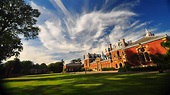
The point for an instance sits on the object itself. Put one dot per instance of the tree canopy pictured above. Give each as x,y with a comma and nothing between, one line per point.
166,44
16,18
56,67
13,67
16,67
27,66
76,61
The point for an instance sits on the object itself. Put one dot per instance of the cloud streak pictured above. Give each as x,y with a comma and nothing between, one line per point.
66,34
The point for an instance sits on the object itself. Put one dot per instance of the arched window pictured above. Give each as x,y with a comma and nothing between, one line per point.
147,56
143,55
116,66
120,65
123,53
118,54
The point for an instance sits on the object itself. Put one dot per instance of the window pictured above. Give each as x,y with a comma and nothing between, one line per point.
114,56
123,53
116,66
118,54
120,65
147,56
143,55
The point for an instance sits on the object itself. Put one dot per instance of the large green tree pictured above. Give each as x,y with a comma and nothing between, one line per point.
43,68
16,19
76,61
56,67
159,60
12,67
27,66
166,44
162,59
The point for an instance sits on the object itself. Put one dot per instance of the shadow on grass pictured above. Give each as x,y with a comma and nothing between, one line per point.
95,84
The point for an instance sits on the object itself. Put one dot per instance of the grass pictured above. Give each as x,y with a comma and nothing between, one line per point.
90,84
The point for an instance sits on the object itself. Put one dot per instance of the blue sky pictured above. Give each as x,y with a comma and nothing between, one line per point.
72,28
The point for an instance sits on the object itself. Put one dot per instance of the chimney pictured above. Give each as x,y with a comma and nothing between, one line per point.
89,55
123,43
111,47
84,57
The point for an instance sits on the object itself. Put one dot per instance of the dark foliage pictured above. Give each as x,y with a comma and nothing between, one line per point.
108,69
149,68
16,18
26,67
12,67
166,44
56,67
16,67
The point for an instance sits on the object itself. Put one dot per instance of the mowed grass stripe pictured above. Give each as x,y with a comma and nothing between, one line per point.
90,84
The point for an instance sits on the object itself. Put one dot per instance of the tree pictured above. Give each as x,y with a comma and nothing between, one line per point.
16,18
76,61
51,67
13,67
56,67
2,69
162,59
43,68
159,60
166,44
27,66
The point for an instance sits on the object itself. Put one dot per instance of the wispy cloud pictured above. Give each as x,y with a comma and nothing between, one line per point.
38,54
67,35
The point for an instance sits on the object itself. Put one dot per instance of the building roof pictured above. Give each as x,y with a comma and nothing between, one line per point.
94,55
148,37
145,40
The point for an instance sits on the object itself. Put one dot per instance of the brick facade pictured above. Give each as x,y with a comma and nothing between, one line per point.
133,53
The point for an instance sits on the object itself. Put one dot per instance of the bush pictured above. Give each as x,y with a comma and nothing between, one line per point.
82,69
89,70
126,67
167,66
2,69
108,69
149,68
122,69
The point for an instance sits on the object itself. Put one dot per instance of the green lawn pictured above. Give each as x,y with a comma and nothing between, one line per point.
90,84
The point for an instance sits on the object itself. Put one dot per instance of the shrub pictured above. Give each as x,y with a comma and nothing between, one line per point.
149,68
108,69
167,66
89,70
122,69
82,69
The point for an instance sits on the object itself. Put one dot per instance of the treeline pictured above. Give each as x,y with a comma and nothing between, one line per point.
16,67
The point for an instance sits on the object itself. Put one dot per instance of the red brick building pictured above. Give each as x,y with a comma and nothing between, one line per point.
74,65
133,53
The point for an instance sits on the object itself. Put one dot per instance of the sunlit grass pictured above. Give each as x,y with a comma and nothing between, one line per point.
115,78
87,85
90,84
